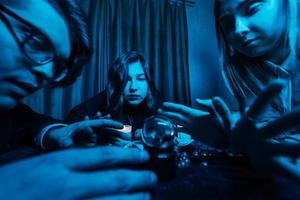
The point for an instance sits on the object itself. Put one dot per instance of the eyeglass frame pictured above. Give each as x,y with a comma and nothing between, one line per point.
22,44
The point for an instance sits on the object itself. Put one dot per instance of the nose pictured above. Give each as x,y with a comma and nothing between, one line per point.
241,27
44,71
133,87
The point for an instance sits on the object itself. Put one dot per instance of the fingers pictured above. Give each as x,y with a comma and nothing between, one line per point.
182,109
134,196
99,115
101,157
264,99
112,133
281,124
180,113
108,116
206,104
285,167
66,142
177,117
138,134
91,143
98,123
90,138
84,136
223,111
112,182
282,149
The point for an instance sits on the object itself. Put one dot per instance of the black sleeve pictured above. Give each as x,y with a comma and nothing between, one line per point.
21,126
88,108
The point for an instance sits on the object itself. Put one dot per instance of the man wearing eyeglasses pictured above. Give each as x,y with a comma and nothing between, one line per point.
45,43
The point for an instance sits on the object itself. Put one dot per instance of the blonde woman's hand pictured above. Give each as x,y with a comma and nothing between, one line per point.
247,136
203,124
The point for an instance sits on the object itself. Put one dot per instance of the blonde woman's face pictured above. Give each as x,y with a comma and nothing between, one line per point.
252,27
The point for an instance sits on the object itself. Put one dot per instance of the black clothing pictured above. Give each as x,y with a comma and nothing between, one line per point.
133,116
18,127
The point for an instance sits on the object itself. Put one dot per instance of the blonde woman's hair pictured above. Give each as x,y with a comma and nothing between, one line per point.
245,76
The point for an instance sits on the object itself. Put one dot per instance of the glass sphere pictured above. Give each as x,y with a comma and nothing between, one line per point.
159,132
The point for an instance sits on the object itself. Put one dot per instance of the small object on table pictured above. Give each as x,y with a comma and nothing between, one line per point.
158,136
183,160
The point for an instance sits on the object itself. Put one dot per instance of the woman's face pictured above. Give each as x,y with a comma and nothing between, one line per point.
136,88
253,27
19,76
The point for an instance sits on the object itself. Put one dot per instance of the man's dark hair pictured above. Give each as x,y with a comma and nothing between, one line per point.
80,37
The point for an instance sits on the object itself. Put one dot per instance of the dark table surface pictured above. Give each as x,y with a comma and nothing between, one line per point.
209,175
220,176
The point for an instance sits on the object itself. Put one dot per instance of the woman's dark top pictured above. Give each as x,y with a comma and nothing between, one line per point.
129,115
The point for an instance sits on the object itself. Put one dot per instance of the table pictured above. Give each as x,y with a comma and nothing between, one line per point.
224,177
210,178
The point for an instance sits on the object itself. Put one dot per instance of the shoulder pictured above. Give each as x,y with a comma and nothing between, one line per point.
24,114
89,107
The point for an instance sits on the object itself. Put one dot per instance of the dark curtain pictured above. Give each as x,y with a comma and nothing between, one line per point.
153,27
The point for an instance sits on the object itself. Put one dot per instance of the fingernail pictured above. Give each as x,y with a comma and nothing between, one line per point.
98,114
144,155
146,196
153,177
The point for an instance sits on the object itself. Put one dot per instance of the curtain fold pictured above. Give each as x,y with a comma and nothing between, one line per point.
155,28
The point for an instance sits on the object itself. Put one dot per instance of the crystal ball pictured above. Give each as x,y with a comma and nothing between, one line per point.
159,132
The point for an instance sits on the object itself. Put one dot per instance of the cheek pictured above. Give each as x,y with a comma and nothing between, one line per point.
267,24
11,56
126,90
8,63
273,35
144,89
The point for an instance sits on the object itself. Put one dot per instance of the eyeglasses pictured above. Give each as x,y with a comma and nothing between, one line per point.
36,47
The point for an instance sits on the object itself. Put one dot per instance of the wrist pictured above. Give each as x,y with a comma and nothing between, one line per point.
45,139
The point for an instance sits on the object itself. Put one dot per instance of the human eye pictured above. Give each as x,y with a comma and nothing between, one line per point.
141,78
253,8
36,43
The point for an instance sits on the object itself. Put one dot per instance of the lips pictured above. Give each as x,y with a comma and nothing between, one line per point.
133,97
249,42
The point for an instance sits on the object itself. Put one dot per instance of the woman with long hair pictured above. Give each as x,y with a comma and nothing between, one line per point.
258,41
130,95
258,44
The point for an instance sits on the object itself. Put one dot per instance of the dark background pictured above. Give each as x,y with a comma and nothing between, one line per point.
179,42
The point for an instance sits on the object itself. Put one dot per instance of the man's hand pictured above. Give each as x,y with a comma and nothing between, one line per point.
78,174
80,133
